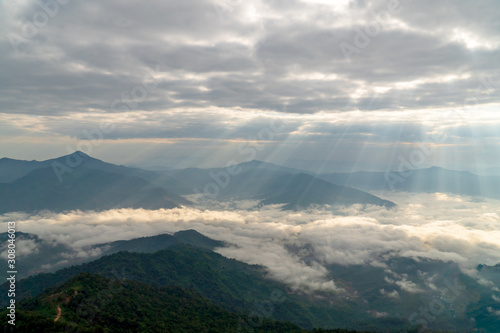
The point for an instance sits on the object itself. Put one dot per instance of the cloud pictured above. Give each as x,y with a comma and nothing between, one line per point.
200,70
408,286
391,294
377,314
493,311
90,53
24,247
421,227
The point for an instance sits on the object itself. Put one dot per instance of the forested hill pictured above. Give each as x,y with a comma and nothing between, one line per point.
92,303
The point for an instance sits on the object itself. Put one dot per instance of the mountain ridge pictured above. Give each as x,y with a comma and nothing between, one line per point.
87,183
84,189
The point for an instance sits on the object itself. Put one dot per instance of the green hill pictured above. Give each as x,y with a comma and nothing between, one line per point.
92,303
232,285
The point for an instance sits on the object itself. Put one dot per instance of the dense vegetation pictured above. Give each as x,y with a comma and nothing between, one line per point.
230,284
92,303
52,256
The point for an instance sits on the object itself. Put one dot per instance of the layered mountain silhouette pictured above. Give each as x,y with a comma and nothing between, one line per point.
242,181
194,282
83,189
271,184
302,190
429,180
11,169
229,284
178,277
78,181
48,256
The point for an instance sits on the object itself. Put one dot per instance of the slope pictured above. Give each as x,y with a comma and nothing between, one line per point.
92,303
85,189
233,285
302,190
429,180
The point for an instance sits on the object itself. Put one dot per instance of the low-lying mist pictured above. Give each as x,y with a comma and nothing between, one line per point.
296,246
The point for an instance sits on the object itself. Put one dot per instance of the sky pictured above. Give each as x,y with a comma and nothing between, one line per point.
328,85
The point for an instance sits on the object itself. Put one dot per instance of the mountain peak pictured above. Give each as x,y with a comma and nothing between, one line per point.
267,165
82,154
78,155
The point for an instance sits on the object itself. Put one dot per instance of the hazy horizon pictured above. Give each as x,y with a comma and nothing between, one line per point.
307,166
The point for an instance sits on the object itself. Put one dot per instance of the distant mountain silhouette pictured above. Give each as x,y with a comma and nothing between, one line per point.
429,180
302,190
271,184
11,169
78,181
245,181
83,188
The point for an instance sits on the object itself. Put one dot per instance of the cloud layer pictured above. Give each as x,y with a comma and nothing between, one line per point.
433,226
254,54
172,76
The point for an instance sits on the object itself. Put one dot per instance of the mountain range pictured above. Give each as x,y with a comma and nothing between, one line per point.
137,284
180,276
50,256
78,181
228,284
429,180
92,303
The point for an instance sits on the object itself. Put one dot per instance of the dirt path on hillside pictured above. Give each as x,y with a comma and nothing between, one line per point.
59,311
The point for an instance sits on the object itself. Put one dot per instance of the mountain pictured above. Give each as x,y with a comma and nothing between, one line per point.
194,238
230,284
38,254
239,181
216,277
85,189
155,243
376,298
429,180
270,184
11,169
249,180
78,181
302,190
46,256
92,303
